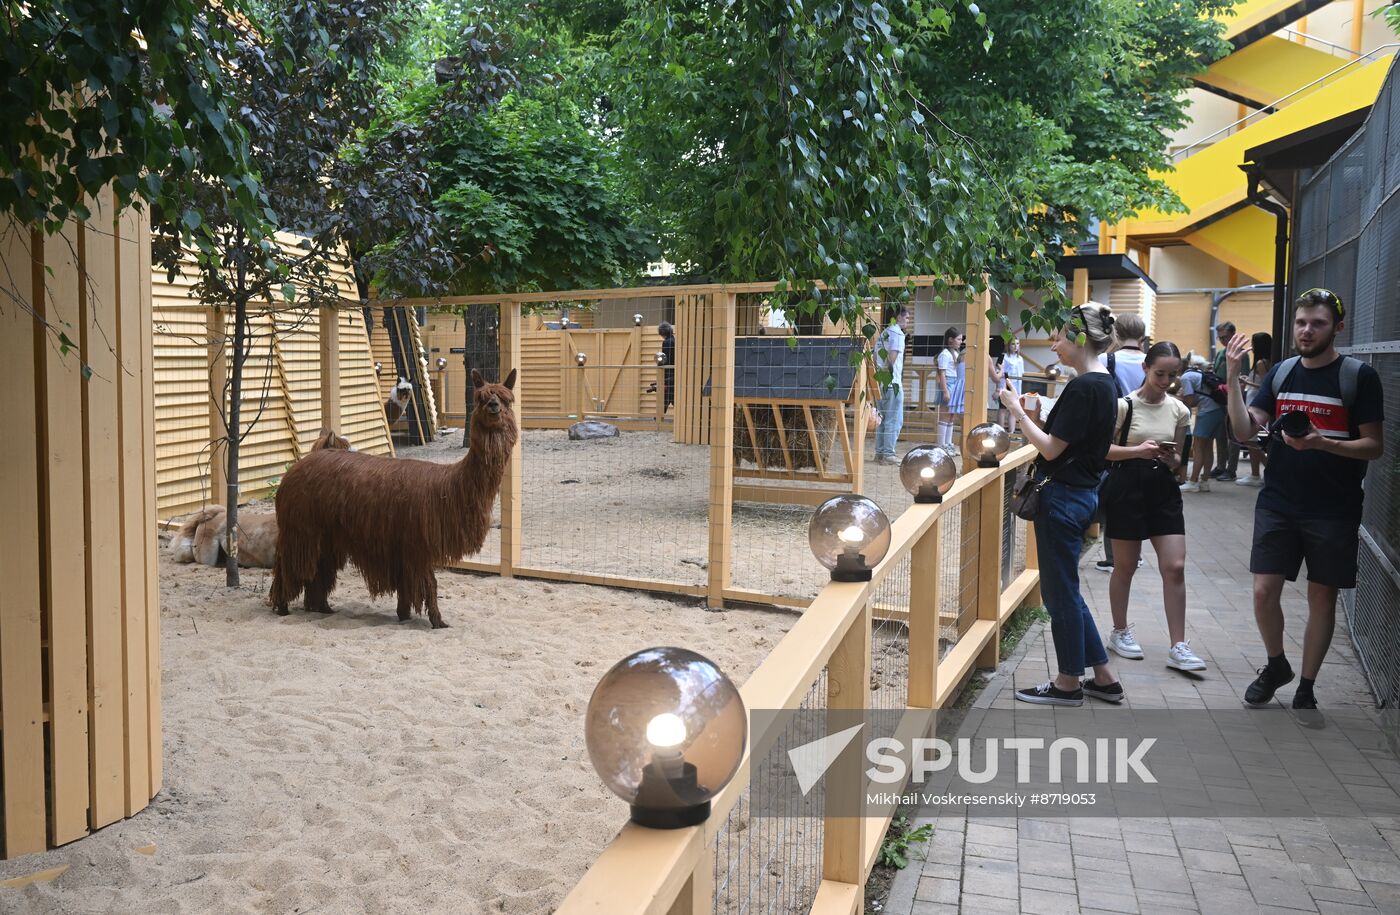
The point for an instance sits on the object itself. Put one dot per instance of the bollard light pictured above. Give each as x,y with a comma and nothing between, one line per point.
441,363
378,368
564,322
666,730
637,320
660,357
1053,371
988,443
849,535
581,358
928,472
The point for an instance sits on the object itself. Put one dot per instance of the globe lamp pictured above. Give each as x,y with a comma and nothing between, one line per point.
928,472
988,443
849,535
666,730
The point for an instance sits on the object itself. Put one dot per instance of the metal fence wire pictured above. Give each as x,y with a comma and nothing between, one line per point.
1347,238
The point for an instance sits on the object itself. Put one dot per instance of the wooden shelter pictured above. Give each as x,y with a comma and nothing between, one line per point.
791,403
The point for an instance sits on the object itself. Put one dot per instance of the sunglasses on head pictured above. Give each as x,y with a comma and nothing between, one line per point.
1324,297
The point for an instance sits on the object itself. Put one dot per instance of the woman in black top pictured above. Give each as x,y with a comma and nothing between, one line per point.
1073,448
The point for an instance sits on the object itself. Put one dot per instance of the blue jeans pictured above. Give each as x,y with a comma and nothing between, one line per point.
891,419
1065,514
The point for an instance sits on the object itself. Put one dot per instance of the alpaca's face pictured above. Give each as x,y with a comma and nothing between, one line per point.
494,399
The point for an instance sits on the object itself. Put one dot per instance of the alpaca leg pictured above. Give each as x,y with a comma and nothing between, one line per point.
318,591
434,615
405,608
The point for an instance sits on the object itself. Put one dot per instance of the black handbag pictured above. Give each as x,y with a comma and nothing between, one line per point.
1025,497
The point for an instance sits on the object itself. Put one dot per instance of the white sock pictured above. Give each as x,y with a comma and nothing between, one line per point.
945,433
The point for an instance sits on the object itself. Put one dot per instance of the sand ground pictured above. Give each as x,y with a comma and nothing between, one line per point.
350,763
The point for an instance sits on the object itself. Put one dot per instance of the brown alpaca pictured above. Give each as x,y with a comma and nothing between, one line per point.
395,519
202,536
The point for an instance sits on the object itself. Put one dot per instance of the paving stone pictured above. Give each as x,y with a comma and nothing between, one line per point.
1043,882
1227,902
935,889
992,904
1095,847
1003,852
1175,899
1333,894
1156,872
1204,882
1375,871
1342,878
1277,888
932,908
991,835
1108,901
1218,861
1341,908
1042,902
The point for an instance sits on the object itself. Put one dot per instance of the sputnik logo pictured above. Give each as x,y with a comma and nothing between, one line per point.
811,760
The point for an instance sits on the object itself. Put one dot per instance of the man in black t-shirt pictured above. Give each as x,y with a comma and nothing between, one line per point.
1310,506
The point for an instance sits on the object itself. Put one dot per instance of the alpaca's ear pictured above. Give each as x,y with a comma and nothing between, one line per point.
477,380
510,380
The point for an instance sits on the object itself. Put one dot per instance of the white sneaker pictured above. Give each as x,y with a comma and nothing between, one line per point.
1183,658
1249,479
1205,485
1124,644
1192,487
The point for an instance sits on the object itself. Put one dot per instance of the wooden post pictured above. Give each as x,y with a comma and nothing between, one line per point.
218,431
861,399
989,567
1105,240
1120,237
722,318
21,662
977,360
511,499
1032,562
925,597
697,897
330,368
847,689
1080,294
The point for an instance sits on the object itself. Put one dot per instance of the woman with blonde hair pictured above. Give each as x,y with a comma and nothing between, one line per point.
1073,448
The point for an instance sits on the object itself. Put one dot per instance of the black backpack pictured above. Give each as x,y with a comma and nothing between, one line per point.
1214,387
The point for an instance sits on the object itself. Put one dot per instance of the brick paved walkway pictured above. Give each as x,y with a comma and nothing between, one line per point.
1189,864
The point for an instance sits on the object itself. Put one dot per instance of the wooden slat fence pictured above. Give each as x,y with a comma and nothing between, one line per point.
80,735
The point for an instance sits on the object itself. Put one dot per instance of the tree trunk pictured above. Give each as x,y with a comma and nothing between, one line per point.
481,351
240,337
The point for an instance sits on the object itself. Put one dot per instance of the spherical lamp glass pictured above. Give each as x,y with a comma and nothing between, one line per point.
849,535
928,472
666,730
637,320
581,358
660,357
988,443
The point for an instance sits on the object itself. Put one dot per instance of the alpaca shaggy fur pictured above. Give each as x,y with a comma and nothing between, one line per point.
203,536
395,519
397,401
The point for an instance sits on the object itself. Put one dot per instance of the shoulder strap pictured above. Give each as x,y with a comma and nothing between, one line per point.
1349,373
1127,423
1285,368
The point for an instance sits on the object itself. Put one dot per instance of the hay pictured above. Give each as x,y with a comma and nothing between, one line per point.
799,441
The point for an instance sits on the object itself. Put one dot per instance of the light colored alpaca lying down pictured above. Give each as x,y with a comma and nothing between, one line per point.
202,536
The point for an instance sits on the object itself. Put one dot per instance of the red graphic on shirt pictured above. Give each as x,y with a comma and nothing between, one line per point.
1328,414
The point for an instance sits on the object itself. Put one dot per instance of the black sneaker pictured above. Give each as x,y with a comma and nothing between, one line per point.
1262,690
1113,692
1302,700
1103,565
1048,694
1226,477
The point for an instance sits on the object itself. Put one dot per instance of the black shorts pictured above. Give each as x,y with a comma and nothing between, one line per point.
1141,500
1282,542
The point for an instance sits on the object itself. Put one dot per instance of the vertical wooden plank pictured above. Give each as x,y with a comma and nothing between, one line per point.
722,317
125,295
1080,293
148,418
862,398
989,567
330,368
925,596
848,690
218,400
106,733
697,896
977,359
64,550
511,486
21,665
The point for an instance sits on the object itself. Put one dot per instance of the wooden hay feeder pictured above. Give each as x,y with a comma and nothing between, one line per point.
790,418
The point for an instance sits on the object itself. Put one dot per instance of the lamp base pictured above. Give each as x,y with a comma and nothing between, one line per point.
932,498
670,817
851,574
988,462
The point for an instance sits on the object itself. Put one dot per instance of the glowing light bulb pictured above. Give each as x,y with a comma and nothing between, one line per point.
666,730
852,534
926,473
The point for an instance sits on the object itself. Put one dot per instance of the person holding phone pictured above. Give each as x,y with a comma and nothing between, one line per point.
1142,502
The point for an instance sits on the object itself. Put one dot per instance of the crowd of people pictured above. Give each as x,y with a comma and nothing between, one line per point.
1118,445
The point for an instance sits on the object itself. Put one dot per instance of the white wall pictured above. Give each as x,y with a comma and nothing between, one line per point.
1184,267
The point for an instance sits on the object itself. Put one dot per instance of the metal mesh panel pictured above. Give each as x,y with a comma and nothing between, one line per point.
1374,615
1344,211
773,864
889,640
1348,239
